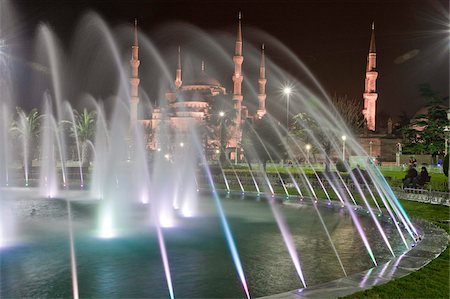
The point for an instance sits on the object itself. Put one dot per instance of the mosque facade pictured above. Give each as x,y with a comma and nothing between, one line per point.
192,101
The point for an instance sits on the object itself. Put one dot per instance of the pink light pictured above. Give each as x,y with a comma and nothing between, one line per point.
165,260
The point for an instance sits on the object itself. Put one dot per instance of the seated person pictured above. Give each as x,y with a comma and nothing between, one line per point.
423,177
411,177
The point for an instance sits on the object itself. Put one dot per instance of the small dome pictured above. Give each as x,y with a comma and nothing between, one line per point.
203,79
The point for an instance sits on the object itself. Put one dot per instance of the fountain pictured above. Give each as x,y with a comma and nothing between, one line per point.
138,218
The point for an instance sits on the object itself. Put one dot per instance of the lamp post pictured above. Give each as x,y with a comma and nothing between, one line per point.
343,146
287,92
446,130
370,148
221,147
308,148
398,154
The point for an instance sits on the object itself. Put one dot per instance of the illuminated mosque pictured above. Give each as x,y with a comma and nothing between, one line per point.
191,100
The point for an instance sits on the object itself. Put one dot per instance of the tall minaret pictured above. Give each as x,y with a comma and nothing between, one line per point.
178,81
370,94
237,76
262,85
134,80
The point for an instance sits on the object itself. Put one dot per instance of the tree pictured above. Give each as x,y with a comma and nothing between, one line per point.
27,128
83,129
425,133
262,141
309,131
350,111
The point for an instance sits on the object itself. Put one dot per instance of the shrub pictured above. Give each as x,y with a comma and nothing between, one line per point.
340,166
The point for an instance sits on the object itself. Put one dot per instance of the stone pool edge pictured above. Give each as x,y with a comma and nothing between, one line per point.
435,241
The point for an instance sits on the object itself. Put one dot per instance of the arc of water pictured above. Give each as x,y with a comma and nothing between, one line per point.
60,145
355,219
165,259
235,173
294,181
324,226
75,132
288,240
73,262
228,235
370,190
374,218
383,199
224,176
284,229
5,143
347,189
401,213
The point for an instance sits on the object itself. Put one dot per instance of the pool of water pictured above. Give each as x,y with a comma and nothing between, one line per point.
201,266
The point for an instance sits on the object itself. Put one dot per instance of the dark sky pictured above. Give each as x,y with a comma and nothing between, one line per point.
330,37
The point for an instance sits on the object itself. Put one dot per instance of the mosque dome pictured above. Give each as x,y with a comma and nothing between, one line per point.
203,79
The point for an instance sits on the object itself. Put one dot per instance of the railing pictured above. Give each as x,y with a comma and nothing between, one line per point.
423,195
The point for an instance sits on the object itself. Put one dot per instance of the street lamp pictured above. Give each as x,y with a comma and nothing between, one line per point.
370,148
446,130
308,148
287,92
398,154
343,146
221,150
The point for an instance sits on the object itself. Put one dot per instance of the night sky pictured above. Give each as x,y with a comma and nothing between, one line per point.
330,37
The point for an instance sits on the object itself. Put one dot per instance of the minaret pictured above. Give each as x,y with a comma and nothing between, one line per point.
262,85
370,94
237,76
134,80
178,81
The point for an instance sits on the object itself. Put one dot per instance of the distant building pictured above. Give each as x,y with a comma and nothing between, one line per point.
191,101
370,94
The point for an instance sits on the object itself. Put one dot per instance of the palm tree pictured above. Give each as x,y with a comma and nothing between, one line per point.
83,130
27,128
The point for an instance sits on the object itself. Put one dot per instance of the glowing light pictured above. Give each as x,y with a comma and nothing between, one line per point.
308,147
344,137
106,227
144,198
181,144
166,221
187,213
159,149
287,90
167,156
221,114
217,151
